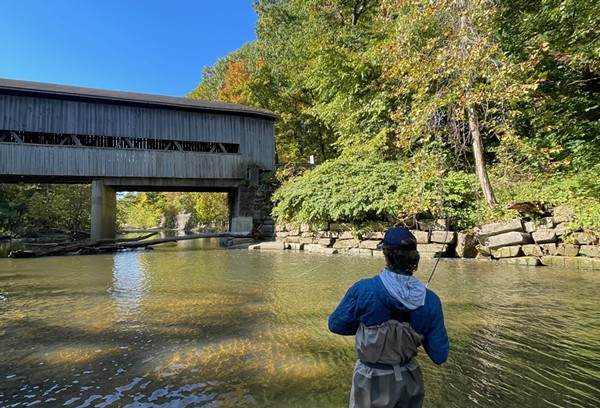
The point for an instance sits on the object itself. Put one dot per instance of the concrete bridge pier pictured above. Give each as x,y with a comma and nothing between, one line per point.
250,209
241,202
104,211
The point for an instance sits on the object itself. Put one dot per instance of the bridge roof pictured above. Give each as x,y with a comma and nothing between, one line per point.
44,90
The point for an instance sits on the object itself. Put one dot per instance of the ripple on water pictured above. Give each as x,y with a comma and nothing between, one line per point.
138,392
526,351
236,328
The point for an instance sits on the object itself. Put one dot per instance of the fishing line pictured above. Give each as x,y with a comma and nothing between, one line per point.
437,261
439,255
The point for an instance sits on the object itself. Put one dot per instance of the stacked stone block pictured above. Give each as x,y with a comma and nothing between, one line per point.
435,240
512,242
538,243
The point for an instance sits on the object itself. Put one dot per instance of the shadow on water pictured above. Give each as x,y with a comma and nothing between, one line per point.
124,363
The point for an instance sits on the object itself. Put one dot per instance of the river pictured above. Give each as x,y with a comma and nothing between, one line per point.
195,325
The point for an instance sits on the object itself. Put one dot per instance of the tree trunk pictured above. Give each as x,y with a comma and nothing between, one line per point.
112,245
482,175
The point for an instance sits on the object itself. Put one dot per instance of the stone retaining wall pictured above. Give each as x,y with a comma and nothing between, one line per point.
337,238
548,241
545,242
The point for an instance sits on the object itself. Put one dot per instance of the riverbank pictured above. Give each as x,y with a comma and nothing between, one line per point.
545,242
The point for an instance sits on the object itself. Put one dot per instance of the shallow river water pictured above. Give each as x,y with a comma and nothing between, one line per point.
189,326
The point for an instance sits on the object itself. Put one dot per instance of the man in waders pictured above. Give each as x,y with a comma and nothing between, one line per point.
391,315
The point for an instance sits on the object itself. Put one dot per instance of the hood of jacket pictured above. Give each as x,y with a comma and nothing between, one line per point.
406,289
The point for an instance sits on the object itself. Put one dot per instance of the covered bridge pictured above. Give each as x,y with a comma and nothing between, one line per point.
122,141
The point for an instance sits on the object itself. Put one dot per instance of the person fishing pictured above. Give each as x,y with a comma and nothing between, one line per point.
391,315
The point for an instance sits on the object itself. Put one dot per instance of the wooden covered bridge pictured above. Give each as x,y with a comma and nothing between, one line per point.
121,141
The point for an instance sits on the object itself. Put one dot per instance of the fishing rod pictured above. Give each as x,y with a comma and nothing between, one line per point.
437,261
441,189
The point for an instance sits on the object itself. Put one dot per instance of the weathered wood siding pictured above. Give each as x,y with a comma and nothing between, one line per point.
254,135
74,161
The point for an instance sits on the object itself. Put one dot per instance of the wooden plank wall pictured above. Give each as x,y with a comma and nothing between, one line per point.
255,135
75,161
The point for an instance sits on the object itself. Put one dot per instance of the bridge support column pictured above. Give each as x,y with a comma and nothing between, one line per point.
250,210
240,209
104,211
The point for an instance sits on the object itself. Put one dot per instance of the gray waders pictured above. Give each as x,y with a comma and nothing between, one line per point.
386,374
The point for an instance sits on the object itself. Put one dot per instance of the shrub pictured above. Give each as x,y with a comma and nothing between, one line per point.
346,190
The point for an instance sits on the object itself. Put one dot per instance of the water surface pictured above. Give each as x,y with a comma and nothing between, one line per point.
207,327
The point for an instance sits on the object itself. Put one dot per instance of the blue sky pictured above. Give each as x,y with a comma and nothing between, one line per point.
148,46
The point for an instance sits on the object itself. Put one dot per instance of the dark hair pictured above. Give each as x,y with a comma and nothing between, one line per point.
400,260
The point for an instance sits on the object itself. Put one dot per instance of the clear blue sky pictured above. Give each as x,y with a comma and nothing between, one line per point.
148,46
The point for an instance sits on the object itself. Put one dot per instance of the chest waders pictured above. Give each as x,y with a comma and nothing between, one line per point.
386,375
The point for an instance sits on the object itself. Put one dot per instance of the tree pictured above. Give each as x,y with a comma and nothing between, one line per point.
230,79
317,66
559,40
13,206
44,206
455,85
138,210
211,210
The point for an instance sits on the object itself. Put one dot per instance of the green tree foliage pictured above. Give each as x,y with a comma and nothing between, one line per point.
371,189
360,190
44,206
60,205
208,211
560,40
316,62
457,87
26,207
444,63
13,206
138,211
211,210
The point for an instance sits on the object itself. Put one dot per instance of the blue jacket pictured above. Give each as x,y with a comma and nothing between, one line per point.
369,302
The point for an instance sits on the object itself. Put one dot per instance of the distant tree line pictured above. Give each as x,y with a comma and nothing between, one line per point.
26,209
206,211
29,209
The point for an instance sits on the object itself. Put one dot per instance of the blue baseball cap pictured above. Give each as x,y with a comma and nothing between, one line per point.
393,239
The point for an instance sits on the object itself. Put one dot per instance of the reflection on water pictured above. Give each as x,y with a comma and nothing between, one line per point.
128,283
206,327
5,248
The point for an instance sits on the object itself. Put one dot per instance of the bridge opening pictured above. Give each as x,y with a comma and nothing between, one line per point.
28,208
187,211
116,142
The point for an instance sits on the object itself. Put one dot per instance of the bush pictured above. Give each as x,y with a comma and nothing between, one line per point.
340,190
579,191
360,190
460,199
344,190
